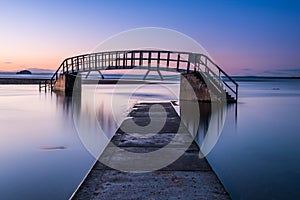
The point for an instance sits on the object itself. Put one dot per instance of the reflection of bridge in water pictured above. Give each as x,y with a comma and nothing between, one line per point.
207,79
205,126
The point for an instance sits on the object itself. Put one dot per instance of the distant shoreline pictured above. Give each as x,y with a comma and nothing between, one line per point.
28,80
21,81
267,77
261,78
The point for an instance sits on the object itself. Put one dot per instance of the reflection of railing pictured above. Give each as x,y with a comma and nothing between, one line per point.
150,60
205,124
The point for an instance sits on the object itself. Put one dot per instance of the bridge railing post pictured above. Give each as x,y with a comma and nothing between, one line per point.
141,59
72,64
108,59
236,92
188,62
124,59
178,61
67,67
132,59
89,62
168,60
83,64
63,68
78,64
149,60
219,77
158,59
117,55
102,60
96,61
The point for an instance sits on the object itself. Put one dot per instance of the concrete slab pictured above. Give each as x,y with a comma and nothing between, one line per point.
188,177
112,184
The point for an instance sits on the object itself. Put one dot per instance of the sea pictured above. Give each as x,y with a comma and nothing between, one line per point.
49,141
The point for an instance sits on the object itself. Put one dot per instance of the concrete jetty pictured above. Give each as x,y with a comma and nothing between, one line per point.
189,177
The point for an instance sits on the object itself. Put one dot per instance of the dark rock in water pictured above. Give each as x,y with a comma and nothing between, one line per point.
275,88
24,72
53,148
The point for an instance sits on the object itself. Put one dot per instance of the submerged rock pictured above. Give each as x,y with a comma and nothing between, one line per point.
53,148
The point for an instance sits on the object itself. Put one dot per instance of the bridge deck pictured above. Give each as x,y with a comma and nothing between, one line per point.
189,177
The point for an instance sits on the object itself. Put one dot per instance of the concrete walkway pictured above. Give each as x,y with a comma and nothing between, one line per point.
189,177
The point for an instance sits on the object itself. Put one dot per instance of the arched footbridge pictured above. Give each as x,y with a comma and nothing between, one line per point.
197,68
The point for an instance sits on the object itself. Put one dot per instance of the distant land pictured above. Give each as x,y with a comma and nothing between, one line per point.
38,71
38,75
262,78
24,72
32,70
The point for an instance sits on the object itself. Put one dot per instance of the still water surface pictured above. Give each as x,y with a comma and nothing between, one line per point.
42,156
256,157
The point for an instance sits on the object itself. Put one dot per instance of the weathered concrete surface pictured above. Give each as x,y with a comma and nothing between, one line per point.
67,83
192,88
189,177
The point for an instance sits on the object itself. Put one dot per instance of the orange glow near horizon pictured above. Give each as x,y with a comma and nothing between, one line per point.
16,65
47,60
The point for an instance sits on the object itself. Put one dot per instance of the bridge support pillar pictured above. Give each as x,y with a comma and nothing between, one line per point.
67,83
193,89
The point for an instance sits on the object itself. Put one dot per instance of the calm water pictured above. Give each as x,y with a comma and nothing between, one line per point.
43,156
258,157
